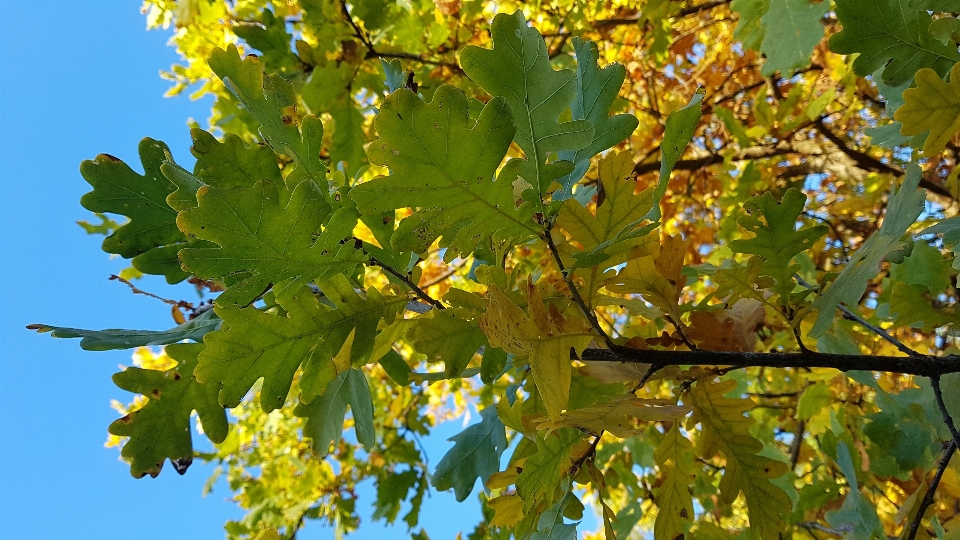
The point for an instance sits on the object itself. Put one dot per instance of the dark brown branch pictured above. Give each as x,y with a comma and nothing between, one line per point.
406,281
633,19
926,366
577,299
372,52
757,152
928,497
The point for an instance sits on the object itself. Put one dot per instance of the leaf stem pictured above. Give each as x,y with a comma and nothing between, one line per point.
409,283
577,299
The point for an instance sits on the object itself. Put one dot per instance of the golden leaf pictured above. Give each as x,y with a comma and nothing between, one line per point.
933,106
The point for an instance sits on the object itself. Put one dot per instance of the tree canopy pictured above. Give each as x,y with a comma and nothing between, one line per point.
690,265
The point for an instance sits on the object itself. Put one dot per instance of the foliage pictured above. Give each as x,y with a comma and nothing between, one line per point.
655,245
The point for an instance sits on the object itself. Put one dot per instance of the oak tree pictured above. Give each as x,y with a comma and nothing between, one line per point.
691,262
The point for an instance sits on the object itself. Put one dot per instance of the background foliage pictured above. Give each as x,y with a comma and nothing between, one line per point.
339,297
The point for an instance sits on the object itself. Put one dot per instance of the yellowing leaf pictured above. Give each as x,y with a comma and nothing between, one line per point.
619,213
616,416
508,510
658,280
675,457
546,337
543,470
725,430
934,106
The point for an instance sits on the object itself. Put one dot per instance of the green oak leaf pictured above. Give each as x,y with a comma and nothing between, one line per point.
442,164
113,339
272,101
449,335
268,34
142,198
161,429
596,90
393,74
857,512
906,204
679,129
257,344
950,229
232,163
541,473
392,489
518,69
798,31
750,28
925,267
776,238
325,415
273,245
550,525
890,35
329,90
475,454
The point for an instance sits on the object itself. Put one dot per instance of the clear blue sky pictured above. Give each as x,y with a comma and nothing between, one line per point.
79,78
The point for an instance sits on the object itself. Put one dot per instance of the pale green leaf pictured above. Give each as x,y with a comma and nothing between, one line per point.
543,470
904,207
112,339
677,133
273,103
325,415
475,454
274,246
776,238
796,30
596,90
257,344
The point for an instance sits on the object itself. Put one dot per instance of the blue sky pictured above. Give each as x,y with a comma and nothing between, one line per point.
80,78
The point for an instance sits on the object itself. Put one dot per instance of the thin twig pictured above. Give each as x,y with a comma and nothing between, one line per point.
947,419
577,299
406,281
853,316
928,498
575,468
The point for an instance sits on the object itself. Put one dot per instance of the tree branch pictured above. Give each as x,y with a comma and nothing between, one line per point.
926,366
406,281
577,299
928,497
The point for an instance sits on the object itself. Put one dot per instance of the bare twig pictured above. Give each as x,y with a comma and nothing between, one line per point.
577,299
409,283
853,316
928,497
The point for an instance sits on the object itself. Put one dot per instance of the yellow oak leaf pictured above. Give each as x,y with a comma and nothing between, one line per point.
725,429
674,456
658,279
545,337
617,416
508,510
933,106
